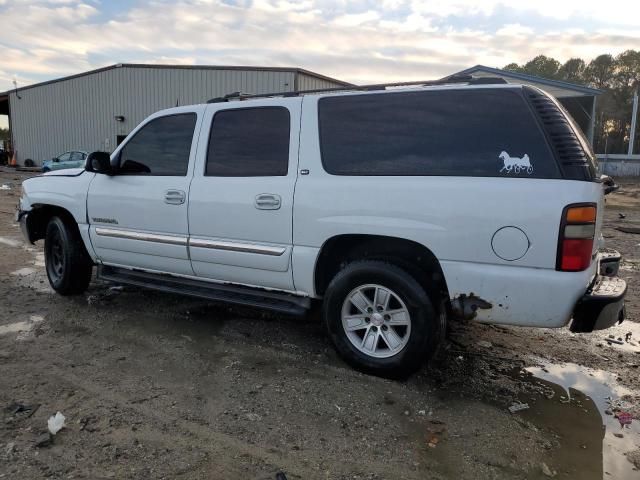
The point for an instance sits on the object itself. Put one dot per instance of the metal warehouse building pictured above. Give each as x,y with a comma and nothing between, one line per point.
97,109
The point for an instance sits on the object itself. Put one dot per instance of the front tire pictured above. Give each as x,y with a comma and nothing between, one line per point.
380,319
66,260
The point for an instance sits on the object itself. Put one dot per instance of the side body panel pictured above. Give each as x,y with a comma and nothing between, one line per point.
232,239
133,224
454,217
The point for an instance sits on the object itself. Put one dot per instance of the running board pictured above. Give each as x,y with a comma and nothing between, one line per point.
223,292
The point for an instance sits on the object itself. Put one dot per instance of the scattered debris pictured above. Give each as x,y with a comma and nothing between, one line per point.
619,435
281,476
254,417
635,230
624,418
621,215
56,423
484,344
10,448
613,340
627,337
547,471
22,409
435,432
44,440
5,187
517,407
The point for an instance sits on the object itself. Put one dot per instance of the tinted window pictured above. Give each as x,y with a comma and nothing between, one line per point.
456,132
161,147
77,156
64,157
249,142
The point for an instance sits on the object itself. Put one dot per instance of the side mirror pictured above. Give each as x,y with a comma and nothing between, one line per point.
609,184
99,162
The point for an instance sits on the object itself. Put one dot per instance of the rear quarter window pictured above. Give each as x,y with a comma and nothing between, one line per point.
482,132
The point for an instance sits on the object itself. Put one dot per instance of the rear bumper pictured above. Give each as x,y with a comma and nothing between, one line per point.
602,305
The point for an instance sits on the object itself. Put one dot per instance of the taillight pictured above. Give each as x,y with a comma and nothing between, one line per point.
577,231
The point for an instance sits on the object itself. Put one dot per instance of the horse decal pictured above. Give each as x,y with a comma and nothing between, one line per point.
515,164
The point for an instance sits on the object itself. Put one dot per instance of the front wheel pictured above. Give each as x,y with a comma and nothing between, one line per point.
380,319
66,260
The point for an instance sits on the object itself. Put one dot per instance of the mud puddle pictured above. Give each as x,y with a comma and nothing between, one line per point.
579,406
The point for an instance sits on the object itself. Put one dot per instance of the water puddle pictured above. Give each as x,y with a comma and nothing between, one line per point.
10,242
579,404
23,272
624,337
23,329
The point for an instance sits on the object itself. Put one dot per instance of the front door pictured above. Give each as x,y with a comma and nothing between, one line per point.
241,198
138,216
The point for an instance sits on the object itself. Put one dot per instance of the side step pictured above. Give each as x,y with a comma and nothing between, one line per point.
252,297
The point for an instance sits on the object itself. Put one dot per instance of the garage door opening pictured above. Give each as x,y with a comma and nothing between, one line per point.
5,133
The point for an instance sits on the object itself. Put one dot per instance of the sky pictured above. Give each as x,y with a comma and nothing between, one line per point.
360,41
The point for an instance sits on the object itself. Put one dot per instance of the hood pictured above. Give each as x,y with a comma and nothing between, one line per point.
67,172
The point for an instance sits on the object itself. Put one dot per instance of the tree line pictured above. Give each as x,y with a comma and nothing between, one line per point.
618,77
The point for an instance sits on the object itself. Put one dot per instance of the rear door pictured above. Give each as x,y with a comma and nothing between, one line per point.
241,197
138,216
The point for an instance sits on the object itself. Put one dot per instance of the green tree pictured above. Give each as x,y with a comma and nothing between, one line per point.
572,70
513,67
600,71
4,134
542,66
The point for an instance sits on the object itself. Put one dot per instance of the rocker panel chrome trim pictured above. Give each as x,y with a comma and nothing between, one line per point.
237,247
146,237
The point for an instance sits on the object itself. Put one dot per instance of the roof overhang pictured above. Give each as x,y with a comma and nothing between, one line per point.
4,104
557,88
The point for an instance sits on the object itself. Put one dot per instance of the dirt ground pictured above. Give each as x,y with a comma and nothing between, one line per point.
160,386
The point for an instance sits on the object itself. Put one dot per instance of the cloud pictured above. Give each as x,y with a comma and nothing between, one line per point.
359,41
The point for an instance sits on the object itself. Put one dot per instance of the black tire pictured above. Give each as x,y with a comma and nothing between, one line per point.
424,320
46,169
66,260
29,163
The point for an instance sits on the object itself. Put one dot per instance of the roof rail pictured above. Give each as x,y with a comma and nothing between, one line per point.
364,88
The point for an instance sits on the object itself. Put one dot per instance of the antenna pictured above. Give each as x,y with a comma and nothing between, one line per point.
15,84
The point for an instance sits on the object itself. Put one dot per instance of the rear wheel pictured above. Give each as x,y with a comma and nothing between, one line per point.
67,263
380,319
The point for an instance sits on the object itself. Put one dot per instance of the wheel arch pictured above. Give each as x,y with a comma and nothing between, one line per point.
416,258
39,217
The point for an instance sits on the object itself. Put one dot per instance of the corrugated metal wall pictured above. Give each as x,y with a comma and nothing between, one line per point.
79,113
309,82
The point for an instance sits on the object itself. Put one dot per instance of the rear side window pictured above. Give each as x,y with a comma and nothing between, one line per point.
249,142
161,147
486,133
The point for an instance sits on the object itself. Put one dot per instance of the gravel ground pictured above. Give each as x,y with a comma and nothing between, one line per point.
160,386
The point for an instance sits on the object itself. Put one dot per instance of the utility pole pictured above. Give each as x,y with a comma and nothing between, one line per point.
634,117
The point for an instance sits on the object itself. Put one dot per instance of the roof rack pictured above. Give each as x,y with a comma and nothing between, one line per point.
468,79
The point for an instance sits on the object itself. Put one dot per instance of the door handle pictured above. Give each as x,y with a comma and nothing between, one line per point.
268,201
174,197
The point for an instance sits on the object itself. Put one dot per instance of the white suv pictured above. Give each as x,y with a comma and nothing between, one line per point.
397,208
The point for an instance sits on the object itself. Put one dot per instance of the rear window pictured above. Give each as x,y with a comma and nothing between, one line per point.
486,133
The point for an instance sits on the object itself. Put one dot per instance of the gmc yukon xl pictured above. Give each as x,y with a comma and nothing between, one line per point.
396,208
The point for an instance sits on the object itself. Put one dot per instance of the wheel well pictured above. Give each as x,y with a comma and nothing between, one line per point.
40,216
415,258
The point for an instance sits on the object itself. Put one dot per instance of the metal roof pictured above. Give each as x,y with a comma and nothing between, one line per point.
570,89
182,67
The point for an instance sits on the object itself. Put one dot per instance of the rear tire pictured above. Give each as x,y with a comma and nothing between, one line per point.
379,318
66,260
